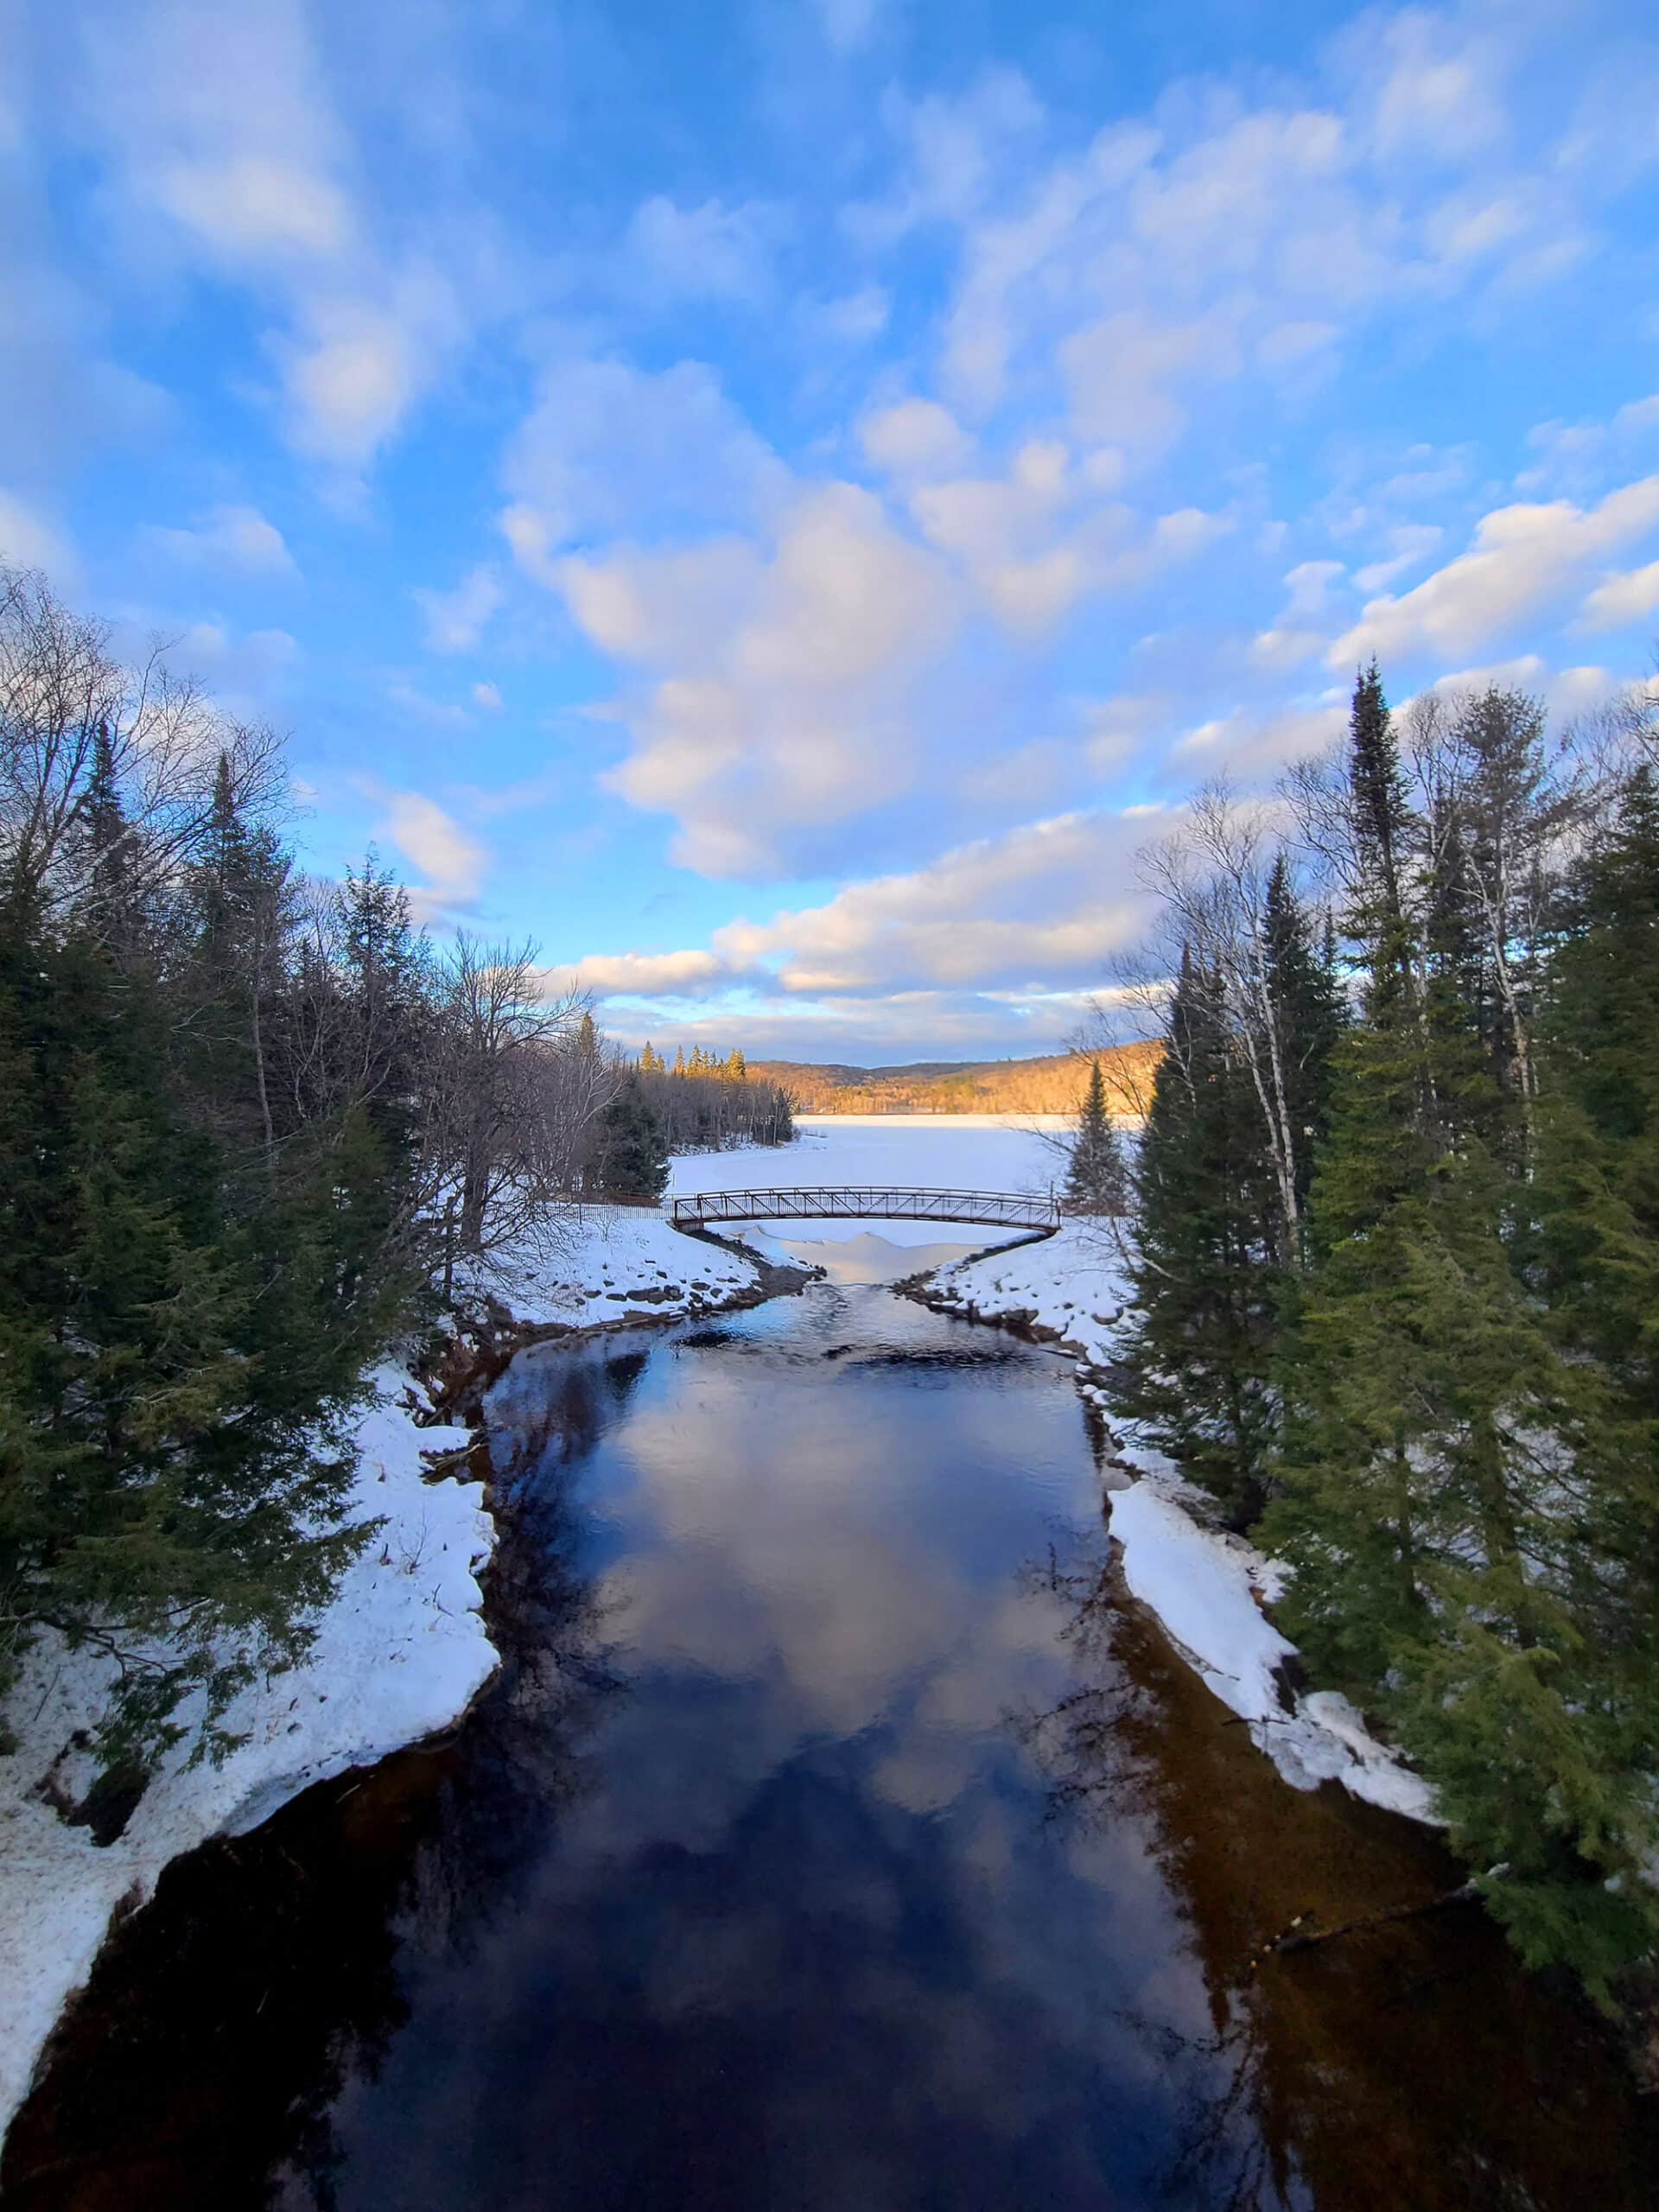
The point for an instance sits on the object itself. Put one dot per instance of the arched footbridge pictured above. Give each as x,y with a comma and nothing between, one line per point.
862,1202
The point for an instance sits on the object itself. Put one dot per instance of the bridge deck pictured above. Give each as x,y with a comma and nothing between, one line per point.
865,1201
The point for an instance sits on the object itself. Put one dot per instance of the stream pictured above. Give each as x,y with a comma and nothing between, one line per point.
835,1835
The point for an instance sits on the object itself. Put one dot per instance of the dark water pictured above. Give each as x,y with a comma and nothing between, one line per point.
833,1838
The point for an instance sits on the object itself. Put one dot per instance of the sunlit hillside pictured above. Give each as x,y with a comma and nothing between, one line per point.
1053,1083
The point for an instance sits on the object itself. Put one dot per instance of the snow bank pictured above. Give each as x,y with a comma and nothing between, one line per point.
1206,1588
614,1263
400,1652
1072,1283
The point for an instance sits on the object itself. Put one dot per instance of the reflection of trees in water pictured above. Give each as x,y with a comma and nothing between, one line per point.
222,2027
1414,2065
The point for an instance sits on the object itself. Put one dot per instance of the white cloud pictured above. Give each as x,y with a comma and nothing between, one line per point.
788,700
609,448
708,252
647,973
851,319
1043,904
451,863
1035,541
455,620
847,24
1428,86
253,207
234,539
1248,744
226,150
437,714
1408,543
914,437
995,946
1631,597
247,673
1290,640
28,540
1525,558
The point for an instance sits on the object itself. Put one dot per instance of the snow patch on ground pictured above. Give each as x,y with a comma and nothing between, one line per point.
1071,1282
1206,1588
613,1263
400,1652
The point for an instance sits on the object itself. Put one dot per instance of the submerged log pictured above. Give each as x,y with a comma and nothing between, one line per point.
1297,1937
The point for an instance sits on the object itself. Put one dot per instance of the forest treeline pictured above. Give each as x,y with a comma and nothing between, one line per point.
1396,1262
251,1125
1050,1083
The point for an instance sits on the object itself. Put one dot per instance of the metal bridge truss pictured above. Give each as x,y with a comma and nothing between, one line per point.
989,1209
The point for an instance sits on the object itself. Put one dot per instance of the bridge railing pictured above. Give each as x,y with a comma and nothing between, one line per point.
842,1202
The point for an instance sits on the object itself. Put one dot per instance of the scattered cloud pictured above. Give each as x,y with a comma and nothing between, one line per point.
450,864
673,254
229,540
648,974
28,540
610,449
789,700
848,24
456,619
1523,562
1630,598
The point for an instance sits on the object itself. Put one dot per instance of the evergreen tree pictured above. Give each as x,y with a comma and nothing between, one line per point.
1096,1180
166,1490
1304,998
634,1160
1381,827
1192,1373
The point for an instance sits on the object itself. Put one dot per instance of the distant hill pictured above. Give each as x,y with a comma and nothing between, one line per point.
1051,1085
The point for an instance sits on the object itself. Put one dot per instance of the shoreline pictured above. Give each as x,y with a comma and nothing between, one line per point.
1207,1589
402,1652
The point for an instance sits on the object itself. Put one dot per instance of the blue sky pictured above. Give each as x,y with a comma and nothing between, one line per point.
777,502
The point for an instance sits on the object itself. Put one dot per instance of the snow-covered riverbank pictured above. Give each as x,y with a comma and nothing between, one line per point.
399,1654
1207,1588
402,1650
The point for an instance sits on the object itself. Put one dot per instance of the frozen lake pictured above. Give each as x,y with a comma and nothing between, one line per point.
965,1152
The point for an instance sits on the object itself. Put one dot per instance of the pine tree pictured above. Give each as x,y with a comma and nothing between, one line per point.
1381,826
1304,998
166,1484
1096,1180
633,1162
1192,1374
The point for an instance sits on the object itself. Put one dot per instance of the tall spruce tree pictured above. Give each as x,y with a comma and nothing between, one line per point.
1305,1007
1096,1176
1192,1370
